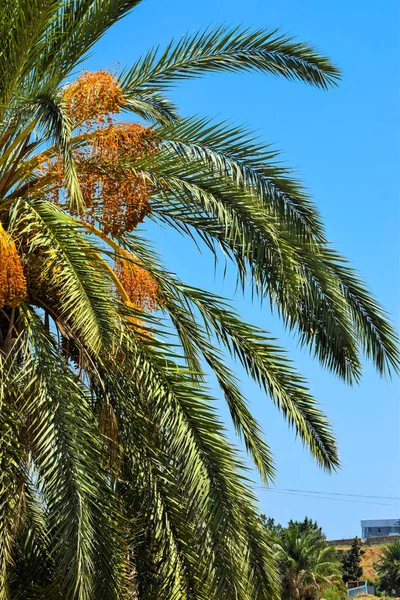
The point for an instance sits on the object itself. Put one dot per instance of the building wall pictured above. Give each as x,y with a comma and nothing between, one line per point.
371,541
380,527
379,531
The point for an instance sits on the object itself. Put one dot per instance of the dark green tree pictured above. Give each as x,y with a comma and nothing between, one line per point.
275,529
307,525
351,562
388,569
307,564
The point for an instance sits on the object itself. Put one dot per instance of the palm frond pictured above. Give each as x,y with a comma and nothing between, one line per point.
261,356
230,49
11,459
22,27
269,366
267,255
373,327
55,122
33,566
72,30
166,553
206,462
151,106
236,153
66,453
72,268
196,343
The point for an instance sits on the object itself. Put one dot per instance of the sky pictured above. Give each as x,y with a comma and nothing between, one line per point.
344,146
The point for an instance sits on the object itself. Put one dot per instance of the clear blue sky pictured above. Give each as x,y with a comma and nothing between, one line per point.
344,145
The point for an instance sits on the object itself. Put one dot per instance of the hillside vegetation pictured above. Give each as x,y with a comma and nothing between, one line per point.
371,554
370,597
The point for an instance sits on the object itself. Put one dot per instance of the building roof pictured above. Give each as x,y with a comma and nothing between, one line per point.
381,523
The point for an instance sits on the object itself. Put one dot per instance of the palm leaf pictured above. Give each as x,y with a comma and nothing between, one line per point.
66,453
206,463
11,458
72,267
229,49
259,354
234,152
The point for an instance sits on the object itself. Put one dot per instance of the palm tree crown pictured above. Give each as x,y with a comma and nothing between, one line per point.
117,479
388,568
307,564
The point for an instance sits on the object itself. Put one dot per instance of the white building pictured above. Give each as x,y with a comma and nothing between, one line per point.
379,527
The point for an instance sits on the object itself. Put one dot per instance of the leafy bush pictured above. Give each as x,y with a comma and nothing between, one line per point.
388,569
335,592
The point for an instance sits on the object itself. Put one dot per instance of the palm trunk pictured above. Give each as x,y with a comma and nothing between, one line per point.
10,327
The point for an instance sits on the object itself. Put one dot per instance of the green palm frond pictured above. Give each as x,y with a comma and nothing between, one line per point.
373,327
205,461
257,351
72,266
301,278
230,49
11,456
236,153
53,118
71,31
32,561
151,106
305,293
165,550
267,363
195,343
22,27
66,454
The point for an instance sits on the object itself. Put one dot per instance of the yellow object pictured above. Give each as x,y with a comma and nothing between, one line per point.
12,279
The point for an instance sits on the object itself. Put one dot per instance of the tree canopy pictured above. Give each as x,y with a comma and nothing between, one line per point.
388,569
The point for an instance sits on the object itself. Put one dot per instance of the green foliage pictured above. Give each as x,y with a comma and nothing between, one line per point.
117,479
306,526
388,569
275,529
335,592
351,561
307,564
309,568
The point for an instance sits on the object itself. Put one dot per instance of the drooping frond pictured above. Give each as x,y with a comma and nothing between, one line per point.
233,152
152,106
66,452
53,118
11,458
257,351
293,277
66,272
297,276
373,328
204,462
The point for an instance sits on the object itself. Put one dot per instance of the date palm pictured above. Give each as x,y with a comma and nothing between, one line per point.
388,569
117,479
307,564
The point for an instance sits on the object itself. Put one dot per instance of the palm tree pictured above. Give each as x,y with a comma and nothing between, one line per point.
307,564
388,569
117,479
